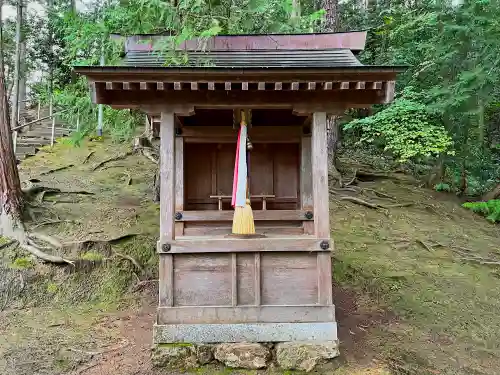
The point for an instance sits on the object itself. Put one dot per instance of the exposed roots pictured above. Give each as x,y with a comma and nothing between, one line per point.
131,259
8,244
56,170
360,201
114,158
36,251
88,157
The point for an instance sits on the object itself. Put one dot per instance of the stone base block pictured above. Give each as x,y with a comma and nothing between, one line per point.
303,356
244,332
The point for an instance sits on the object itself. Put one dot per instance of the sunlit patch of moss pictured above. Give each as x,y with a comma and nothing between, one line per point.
52,288
22,263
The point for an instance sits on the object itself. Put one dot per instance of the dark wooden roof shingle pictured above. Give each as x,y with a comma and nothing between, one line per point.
293,58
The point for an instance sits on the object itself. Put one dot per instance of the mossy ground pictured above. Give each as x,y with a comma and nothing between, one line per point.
402,308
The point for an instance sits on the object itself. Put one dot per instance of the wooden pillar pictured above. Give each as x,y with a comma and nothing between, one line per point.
321,204
179,182
167,176
306,194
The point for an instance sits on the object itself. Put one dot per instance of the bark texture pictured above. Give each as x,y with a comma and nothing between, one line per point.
11,197
331,24
17,65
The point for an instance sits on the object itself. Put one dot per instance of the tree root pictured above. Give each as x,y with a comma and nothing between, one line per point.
45,238
8,244
131,259
37,193
50,222
34,250
350,182
88,157
380,194
141,284
150,154
360,201
56,170
114,158
428,247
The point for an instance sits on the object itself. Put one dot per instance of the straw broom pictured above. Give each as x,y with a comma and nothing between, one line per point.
243,223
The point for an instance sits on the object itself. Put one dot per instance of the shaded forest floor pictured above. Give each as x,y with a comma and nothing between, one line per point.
411,294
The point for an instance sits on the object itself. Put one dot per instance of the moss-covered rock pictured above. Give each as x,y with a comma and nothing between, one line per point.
305,356
174,356
243,355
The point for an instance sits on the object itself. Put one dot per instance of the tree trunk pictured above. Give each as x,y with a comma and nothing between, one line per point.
333,125
17,63
2,70
493,194
296,12
11,196
50,11
331,17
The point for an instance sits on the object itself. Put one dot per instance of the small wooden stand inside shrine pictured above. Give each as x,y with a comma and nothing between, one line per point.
215,288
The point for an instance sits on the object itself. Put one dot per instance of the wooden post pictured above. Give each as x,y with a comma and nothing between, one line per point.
320,176
179,182
321,204
167,176
306,195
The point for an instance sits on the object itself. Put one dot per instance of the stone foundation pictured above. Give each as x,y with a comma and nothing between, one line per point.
303,356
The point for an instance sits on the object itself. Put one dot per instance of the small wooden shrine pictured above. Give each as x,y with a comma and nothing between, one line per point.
276,286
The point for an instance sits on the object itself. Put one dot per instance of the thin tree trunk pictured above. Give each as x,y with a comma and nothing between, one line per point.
296,12
17,63
50,11
2,70
11,197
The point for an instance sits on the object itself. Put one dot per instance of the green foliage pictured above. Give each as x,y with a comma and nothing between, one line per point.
23,263
442,187
92,256
52,288
490,209
405,129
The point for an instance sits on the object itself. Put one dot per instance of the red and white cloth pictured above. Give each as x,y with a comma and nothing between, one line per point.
240,170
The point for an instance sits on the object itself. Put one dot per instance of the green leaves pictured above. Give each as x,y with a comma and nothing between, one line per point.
404,129
490,209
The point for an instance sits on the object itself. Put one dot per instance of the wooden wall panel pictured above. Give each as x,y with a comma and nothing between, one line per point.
225,168
202,280
289,278
198,170
274,169
286,170
261,169
246,277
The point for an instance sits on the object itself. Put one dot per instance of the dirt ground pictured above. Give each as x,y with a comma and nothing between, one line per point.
412,292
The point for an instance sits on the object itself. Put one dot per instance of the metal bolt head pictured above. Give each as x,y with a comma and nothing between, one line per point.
178,216
165,247
309,215
325,245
